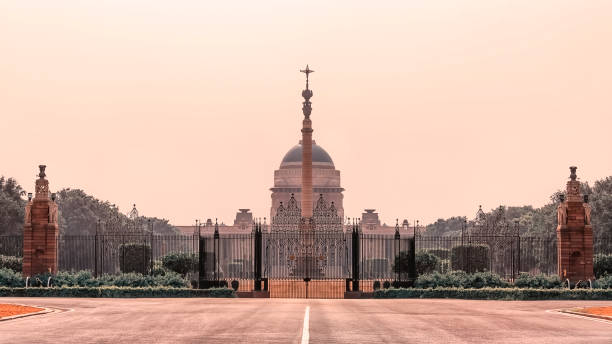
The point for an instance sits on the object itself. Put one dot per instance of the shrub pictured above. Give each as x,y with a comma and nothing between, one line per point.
541,281
181,263
470,258
441,253
602,265
386,284
135,257
235,285
11,262
115,292
460,279
426,262
10,278
376,285
498,294
604,282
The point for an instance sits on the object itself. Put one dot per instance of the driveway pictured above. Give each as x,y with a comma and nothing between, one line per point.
300,321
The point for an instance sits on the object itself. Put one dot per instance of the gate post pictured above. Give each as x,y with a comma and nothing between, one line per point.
258,256
356,244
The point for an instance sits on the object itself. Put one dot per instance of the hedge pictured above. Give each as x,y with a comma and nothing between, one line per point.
135,257
470,258
460,279
541,281
11,262
9,278
181,263
496,294
115,292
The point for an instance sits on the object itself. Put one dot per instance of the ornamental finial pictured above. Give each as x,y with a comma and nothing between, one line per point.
307,94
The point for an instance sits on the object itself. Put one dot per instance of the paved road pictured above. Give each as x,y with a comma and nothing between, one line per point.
282,321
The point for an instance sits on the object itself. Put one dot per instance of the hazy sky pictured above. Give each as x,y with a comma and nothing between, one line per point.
429,108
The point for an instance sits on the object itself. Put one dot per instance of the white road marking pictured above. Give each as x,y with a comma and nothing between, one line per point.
305,333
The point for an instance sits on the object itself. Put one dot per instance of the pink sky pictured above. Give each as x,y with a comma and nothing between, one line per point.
429,108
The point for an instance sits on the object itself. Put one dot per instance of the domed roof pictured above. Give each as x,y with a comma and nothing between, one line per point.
319,156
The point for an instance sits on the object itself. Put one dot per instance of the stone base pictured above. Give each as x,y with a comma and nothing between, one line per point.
353,295
254,294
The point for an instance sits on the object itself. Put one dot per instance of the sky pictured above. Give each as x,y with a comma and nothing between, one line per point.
185,108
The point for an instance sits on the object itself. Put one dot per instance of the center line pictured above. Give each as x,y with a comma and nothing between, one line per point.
305,334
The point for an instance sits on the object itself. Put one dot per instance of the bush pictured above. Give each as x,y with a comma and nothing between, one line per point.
115,292
602,265
181,263
386,284
470,258
235,285
376,285
540,281
604,282
10,278
460,279
441,253
11,262
426,262
497,294
135,257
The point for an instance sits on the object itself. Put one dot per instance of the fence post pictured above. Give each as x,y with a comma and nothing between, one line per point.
96,250
396,257
356,241
202,262
258,256
216,254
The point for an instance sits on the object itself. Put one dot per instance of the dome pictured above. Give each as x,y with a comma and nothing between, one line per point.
319,157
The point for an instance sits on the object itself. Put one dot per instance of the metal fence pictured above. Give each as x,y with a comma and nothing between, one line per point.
289,258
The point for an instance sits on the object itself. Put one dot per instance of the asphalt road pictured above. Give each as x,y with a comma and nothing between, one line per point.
282,321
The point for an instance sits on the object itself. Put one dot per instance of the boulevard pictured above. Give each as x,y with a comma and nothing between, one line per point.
80,320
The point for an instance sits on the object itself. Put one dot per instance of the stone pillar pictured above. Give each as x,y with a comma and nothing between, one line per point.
574,234
40,230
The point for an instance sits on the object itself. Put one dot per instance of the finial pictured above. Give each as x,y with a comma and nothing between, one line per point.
307,71
42,174
573,172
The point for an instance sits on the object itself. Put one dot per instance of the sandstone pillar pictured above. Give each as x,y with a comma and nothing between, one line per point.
40,230
307,203
574,234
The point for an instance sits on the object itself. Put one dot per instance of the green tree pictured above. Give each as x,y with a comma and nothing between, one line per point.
12,207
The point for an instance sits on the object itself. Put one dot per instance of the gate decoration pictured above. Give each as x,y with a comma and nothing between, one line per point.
306,258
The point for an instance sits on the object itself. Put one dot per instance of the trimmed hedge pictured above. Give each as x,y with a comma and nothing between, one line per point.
540,281
603,282
496,294
470,258
11,262
602,265
9,278
135,257
181,263
441,253
460,279
115,292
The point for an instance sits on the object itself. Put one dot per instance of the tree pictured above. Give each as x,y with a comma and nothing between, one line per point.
12,207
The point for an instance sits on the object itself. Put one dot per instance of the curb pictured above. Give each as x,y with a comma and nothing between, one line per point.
603,317
44,310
